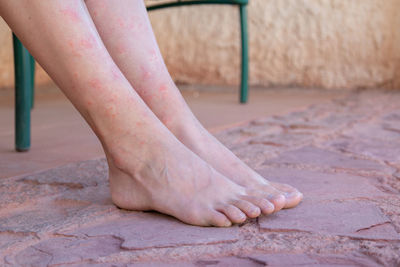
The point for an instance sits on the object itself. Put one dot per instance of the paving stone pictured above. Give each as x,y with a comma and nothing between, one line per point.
317,186
289,139
323,260
220,262
375,130
65,179
372,148
37,219
317,157
141,230
73,176
358,219
229,262
65,250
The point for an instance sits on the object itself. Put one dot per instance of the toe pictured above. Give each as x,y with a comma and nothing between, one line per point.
292,195
265,206
274,196
233,213
251,210
278,200
218,219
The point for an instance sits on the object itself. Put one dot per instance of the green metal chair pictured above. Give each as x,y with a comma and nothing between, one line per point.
24,68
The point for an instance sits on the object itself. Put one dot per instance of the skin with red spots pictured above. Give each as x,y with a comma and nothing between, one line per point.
121,49
88,42
95,83
163,88
71,13
145,73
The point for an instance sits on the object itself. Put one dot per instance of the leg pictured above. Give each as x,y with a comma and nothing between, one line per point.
149,169
127,34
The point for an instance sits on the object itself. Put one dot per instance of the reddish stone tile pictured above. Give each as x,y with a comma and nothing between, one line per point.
73,176
36,218
140,230
387,131
66,179
317,157
318,186
377,149
219,262
64,250
229,262
323,260
358,219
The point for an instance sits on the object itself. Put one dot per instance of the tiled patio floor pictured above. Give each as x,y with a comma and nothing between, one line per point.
344,155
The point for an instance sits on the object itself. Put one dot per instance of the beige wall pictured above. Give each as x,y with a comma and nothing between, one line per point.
307,43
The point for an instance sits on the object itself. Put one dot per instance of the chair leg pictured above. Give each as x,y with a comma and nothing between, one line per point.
23,97
32,76
245,55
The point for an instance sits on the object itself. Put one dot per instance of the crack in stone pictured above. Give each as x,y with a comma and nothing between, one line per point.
256,261
21,234
45,252
372,226
284,230
267,143
55,184
392,129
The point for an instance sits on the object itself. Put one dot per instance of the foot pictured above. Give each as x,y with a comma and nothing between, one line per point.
154,173
191,133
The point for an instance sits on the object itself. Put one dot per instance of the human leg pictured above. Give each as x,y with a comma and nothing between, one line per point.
149,169
127,33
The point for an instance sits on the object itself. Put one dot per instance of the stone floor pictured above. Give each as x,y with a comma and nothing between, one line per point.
343,155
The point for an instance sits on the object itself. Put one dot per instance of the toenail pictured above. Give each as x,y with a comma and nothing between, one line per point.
271,207
293,194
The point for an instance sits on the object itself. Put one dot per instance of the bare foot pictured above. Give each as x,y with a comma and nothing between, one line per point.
191,133
163,175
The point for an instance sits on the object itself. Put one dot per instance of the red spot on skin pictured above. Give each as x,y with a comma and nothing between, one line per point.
121,22
121,49
167,121
145,73
71,13
153,55
163,88
95,83
71,44
88,42
89,103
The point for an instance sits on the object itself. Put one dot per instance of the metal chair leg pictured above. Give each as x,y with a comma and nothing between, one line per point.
23,95
245,55
32,75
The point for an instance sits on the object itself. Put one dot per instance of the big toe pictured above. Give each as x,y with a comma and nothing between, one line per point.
292,195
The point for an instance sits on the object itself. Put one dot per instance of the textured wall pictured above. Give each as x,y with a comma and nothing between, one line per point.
306,43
